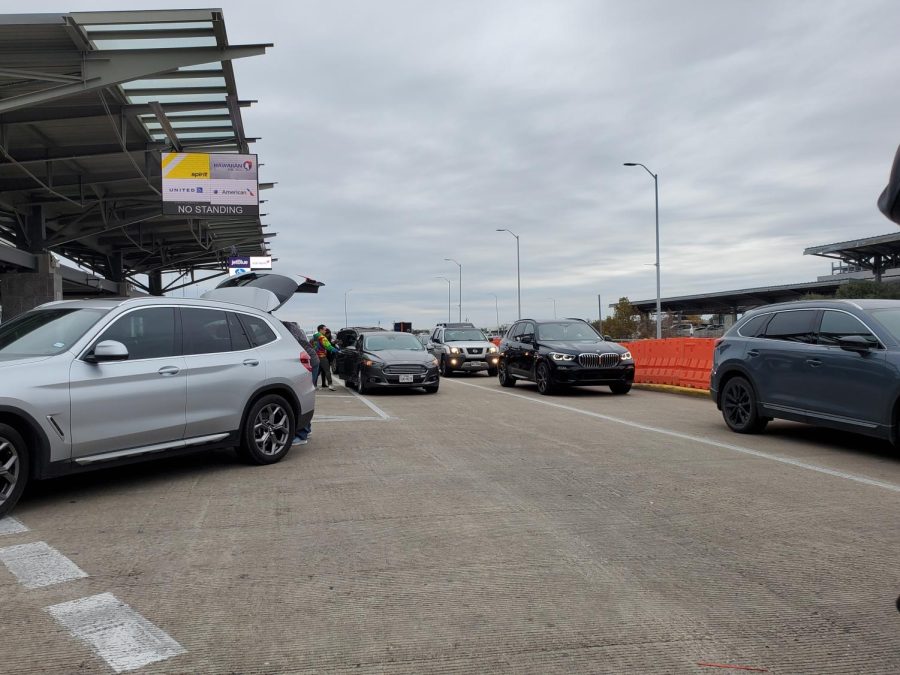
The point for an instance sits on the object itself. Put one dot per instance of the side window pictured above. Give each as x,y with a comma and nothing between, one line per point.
754,327
147,333
259,331
514,331
205,331
837,325
437,335
239,338
796,326
527,331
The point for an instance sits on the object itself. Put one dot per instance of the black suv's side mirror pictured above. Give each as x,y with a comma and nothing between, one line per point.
527,339
855,343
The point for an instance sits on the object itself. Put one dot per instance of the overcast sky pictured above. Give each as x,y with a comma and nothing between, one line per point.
401,133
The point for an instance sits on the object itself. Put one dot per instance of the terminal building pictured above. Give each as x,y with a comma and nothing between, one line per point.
873,258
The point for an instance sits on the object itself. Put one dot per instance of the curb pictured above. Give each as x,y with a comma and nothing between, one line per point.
672,389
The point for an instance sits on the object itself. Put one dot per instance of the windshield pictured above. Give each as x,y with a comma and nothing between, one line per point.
403,341
567,332
464,334
46,332
890,319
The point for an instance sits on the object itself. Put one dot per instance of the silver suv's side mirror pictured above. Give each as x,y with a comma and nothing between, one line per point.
108,350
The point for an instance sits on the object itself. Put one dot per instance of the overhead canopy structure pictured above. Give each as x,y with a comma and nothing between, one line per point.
87,103
740,301
875,254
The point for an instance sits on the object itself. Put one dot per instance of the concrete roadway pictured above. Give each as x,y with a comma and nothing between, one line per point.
486,530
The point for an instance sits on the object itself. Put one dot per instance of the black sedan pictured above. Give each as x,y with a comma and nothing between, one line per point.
561,353
388,360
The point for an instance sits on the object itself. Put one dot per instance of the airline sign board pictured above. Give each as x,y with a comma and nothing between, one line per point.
199,185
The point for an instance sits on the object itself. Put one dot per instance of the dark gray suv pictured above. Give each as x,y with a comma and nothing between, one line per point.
830,363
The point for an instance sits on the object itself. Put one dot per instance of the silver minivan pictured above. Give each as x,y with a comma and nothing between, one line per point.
94,383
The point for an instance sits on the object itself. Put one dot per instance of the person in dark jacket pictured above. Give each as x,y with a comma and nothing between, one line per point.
302,437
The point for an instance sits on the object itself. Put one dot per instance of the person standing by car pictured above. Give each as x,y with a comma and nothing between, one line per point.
302,437
323,349
331,355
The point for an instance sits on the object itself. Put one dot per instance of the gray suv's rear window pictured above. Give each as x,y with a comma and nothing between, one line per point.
754,326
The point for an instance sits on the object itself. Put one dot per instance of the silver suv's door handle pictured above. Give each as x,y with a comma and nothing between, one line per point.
169,370
815,363
753,352
251,362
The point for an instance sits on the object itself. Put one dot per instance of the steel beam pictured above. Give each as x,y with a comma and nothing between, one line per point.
164,123
116,66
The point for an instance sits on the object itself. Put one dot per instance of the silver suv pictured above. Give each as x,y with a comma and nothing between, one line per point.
94,383
461,346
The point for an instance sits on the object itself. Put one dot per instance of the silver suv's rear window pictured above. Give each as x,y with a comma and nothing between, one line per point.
46,332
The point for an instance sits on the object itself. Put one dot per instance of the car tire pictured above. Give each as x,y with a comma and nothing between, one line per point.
544,379
492,372
445,368
14,468
361,387
432,389
506,380
268,431
740,409
620,387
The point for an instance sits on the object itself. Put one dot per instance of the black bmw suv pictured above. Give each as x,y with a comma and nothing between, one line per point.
563,352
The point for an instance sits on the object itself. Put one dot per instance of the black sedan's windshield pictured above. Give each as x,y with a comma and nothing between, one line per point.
46,332
564,331
403,341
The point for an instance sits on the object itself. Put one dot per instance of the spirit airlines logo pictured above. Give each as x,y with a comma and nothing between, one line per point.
190,165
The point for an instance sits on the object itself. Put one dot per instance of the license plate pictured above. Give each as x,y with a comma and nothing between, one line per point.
406,378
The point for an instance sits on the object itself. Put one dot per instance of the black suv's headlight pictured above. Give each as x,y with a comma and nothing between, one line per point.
558,356
626,356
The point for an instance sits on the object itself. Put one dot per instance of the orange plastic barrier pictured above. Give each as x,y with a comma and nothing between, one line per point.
682,362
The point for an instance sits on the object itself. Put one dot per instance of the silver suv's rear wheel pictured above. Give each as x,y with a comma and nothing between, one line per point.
13,468
268,431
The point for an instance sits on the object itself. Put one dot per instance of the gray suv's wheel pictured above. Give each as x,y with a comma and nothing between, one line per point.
13,468
739,407
268,431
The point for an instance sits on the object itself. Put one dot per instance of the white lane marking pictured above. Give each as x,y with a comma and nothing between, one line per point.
119,635
699,439
10,525
37,564
378,411
347,418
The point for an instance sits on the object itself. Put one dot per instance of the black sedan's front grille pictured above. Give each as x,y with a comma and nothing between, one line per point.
609,360
405,369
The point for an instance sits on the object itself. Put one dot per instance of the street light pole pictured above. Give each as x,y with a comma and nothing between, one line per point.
496,309
460,285
448,297
553,300
518,269
346,320
656,197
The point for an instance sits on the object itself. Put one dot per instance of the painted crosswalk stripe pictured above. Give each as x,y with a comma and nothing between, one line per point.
119,635
37,564
10,525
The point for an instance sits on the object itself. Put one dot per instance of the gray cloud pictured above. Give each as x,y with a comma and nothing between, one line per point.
401,133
